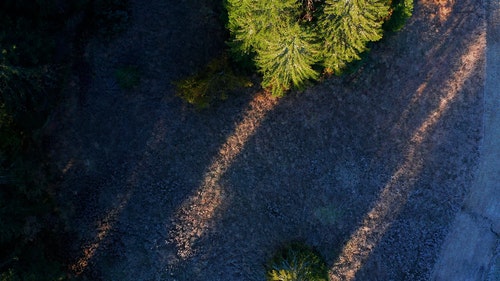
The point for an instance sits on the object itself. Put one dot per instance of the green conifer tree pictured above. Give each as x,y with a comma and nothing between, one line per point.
284,50
288,39
251,22
287,57
401,10
347,26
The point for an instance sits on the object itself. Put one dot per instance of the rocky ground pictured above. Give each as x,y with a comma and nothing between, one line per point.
370,168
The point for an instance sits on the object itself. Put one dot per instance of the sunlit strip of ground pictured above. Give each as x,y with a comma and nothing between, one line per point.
196,213
68,166
106,225
103,229
443,8
395,193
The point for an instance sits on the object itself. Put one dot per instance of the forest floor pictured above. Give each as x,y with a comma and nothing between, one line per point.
370,168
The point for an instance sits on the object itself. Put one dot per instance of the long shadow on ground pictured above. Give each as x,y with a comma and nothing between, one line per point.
127,159
134,164
320,160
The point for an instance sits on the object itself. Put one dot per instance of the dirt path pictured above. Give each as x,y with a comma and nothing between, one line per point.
371,169
472,249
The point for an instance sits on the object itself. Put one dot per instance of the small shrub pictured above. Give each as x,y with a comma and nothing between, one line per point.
297,262
127,77
213,83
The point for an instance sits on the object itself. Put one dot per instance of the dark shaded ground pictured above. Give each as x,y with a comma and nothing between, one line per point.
398,139
471,250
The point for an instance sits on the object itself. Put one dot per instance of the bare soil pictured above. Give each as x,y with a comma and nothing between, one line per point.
369,168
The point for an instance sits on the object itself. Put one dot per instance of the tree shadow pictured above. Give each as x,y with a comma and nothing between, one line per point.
311,168
128,158
370,161
448,150
439,158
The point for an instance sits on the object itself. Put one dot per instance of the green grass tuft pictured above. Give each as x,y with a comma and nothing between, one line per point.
128,77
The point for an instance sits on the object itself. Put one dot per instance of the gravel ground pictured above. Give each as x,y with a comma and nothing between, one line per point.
370,169
471,250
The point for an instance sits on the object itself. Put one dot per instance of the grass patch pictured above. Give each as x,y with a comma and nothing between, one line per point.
128,77
329,214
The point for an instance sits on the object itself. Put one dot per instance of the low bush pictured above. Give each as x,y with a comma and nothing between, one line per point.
213,83
297,262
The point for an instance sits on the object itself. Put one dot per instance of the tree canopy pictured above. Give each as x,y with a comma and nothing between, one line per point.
291,42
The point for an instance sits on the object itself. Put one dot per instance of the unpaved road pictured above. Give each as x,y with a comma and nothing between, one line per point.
472,249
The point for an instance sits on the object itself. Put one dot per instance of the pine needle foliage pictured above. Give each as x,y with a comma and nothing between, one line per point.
252,22
348,25
292,41
286,59
284,50
401,11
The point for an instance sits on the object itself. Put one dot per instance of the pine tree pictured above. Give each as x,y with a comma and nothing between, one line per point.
347,26
401,10
288,39
287,57
252,21
284,50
